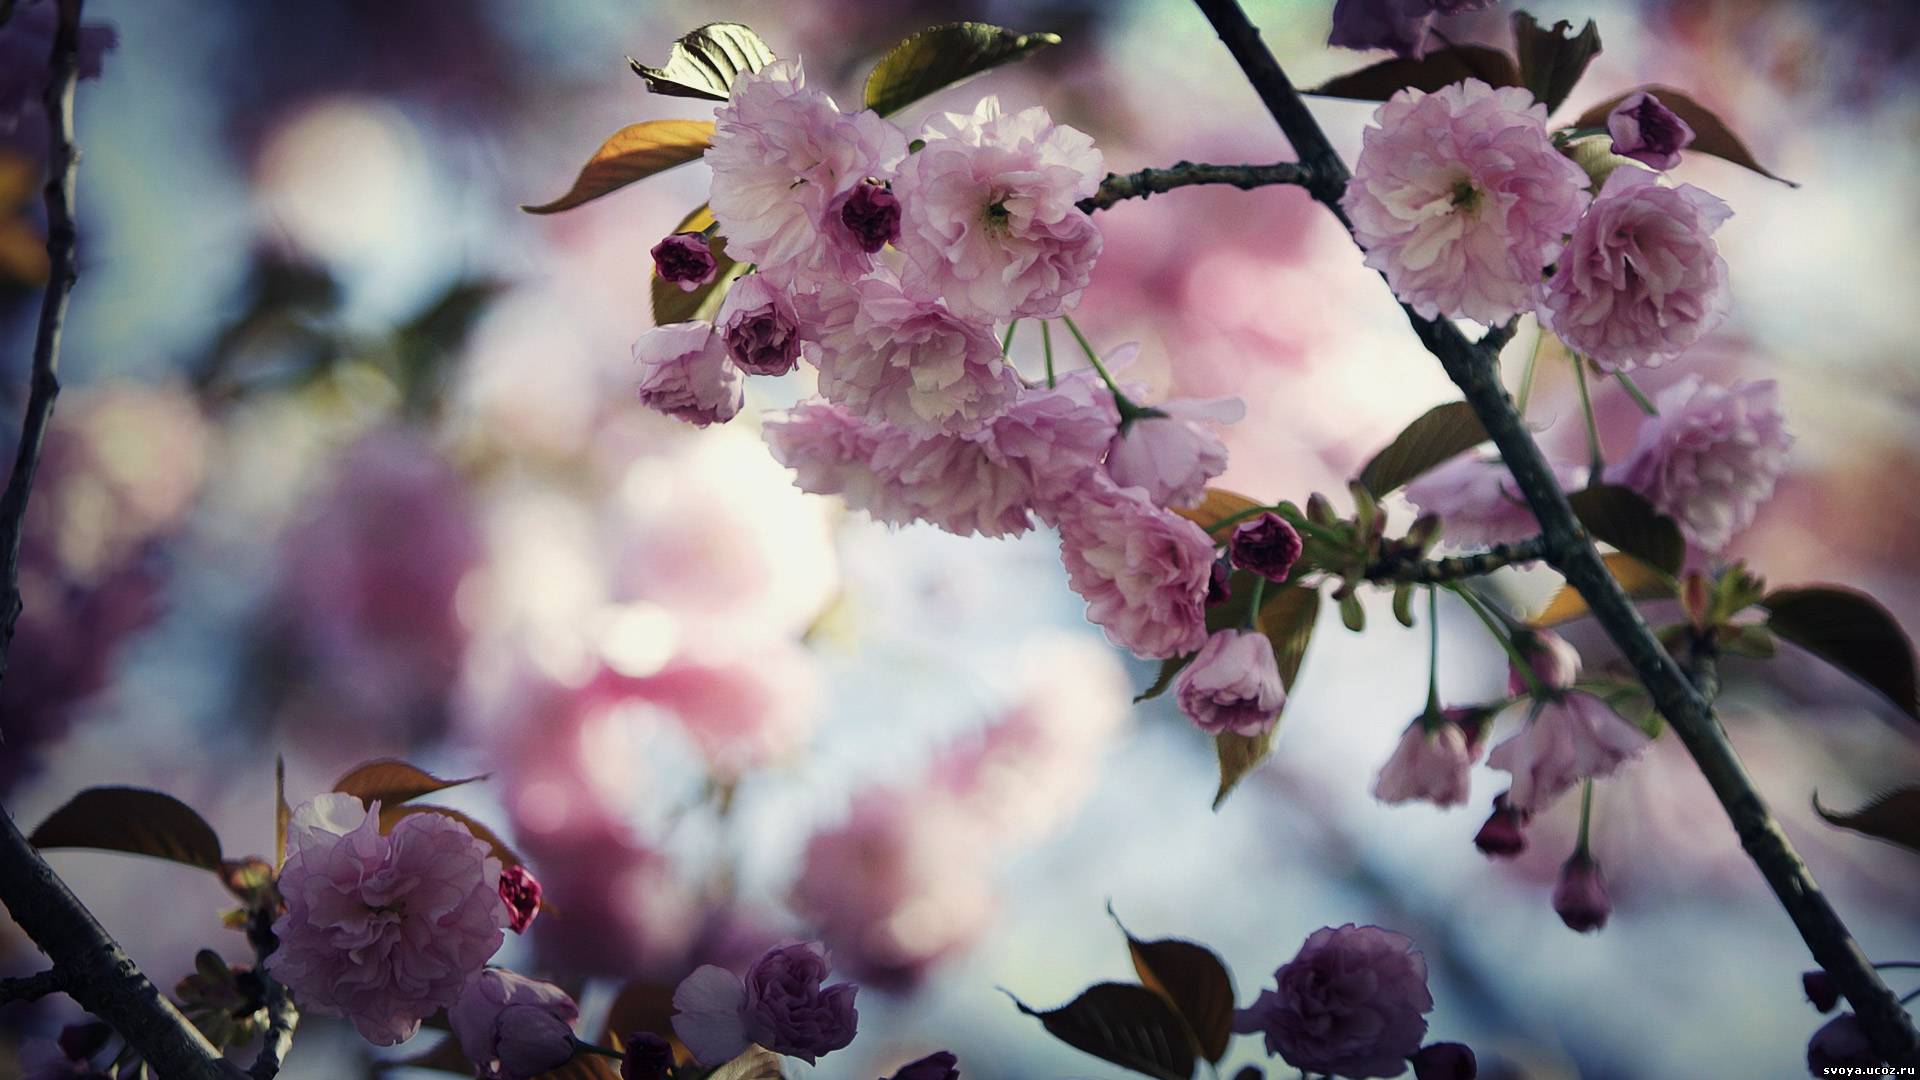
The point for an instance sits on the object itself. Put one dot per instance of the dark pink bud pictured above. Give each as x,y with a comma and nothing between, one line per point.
1473,722
685,260
1841,1043
649,1057
759,327
1219,587
80,1042
1504,835
1820,990
940,1066
1267,546
1647,131
872,214
1580,898
522,894
1555,663
1444,1061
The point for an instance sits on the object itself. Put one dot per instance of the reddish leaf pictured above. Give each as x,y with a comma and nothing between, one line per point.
1130,1026
1710,133
1851,631
1443,67
635,152
135,821
1194,981
1641,582
1894,817
392,782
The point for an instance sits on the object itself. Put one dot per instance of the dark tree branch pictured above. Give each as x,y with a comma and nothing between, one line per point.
1475,370
281,1014
1138,185
31,987
1456,567
93,969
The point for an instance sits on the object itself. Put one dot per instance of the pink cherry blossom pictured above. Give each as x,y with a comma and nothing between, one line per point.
1478,501
512,1027
1641,279
1644,129
780,1005
1142,570
742,711
1554,662
1172,453
383,929
1570,738
783,158
1710,458
1460,198
1350,1003
685,373
1232,685
990,223
684,259
887,356
759,327
1434,759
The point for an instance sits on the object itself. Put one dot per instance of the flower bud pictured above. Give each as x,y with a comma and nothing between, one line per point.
1840,1044
1580,898
512,1027
1266,545
940,1066
648,1057
1555,663
1820,990
1504,835
1444,1061
871,213
1233,684
1320,509
1644,129
1696,599
1421,536
759,327
533,1040
684,259
1219,583
521,892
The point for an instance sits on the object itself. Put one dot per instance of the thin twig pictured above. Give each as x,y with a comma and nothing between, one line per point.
1475,371
31,987
1118,187
282,1016
1455,567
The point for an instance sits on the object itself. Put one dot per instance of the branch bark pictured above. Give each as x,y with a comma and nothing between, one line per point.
90,965
1457,567
1118,187
31,987
1475,370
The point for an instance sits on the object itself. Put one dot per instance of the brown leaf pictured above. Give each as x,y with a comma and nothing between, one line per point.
1851,631
934,59
1130,1026
635,152
1440,433
392,815
1551,62
392,781
1624,518
1893,817
705,63
1641,582
1711,135
1217,504
135,821
282,813
646,1006
1443,67
1194,981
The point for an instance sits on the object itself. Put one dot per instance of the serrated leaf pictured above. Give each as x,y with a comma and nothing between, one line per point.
135,821
1287,619
393,815
672,304
1893,817
942,56
1623,518
392,782
1851,631
1443,67
1194,981
705,63
1711,135
1551,61
1131,1026
635,152
1440,433
1640,581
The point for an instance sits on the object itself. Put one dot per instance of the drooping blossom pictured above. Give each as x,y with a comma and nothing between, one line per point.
685,259
938,1066
383,929
1055,435
1266,545
910,362
1710,458
1644,129
1552,660
520,891
1434,759
1460,198
1571,737
1171,452
1504,835
990,223
780,1005
871,212
648,1057
1232,685
512,1027
1143,570
783,156
898,886
1478,501
759,327
1580,895
1842,1048
685,373
1641,279
1444,1061
1820,990
1350,1003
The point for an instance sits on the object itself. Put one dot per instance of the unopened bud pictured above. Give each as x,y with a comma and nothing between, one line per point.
1580,897
686,260
1504,835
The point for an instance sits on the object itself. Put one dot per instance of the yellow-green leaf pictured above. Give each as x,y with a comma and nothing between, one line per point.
635,152
705,63
1217,505
1640,581
135,821
942,56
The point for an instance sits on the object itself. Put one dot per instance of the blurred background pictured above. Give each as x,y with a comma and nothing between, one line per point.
349,464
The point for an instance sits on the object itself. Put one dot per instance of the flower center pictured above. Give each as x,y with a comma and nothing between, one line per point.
996,215
1465,196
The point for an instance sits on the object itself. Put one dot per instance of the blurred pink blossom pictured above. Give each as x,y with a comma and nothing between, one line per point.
512,1027
1232,685
1174,454
685,373
1142,570
1710,458
1478,501
1570,738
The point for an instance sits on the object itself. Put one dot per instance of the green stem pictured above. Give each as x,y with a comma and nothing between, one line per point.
1433,651
1586,818
1526,373
582,1044
1094,359
1259,595
1006,341
1634,392
1520,663
1046,345
1593,428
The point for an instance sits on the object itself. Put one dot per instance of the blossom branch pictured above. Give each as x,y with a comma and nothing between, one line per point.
88,964
31,987
1118,187
1412,571
282,1016
1475,370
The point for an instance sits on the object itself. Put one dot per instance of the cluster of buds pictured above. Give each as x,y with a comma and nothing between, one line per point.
1358,549
1711,605
227,1003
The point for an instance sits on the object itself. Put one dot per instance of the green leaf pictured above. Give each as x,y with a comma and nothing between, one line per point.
1193,980
1442,67
1893,817
705,63
1711,135
1640,581
1131,1026
135,821
1440,433
1163,680
1403,605
1287,618
942,56
1851,631
393,782
635,152
671,303
1551,61
1621,517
